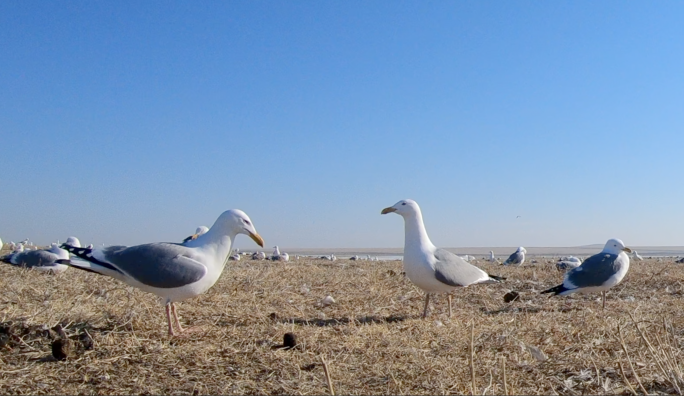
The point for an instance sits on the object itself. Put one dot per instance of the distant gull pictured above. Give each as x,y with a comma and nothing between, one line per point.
258,256
599,272
491,256
431,269
53,259
173,271
201,230
567,263
277,256
517,258
636,255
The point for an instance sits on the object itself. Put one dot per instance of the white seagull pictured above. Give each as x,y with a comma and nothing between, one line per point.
53,260
277,256
636,255
201,230
491,256
433,270
173,271
599,272
517,258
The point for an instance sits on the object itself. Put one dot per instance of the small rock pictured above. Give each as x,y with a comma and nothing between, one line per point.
61,348
511,296
289,340
328,300
86,340
439,323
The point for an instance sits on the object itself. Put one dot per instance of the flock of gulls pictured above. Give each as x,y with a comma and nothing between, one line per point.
179,271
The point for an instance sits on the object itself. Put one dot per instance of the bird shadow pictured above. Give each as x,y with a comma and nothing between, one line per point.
339,321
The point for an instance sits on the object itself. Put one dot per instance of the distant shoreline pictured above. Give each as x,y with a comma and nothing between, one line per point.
500,251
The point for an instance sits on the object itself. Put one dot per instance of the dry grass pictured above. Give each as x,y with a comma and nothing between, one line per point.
372,339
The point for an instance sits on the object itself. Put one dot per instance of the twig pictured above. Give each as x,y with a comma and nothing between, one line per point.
624,378
326,370
503,369
472,356
624,348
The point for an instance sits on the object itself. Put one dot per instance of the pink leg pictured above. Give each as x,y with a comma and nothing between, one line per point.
175,316
168,318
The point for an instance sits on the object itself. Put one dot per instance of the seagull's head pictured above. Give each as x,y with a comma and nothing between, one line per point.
73,241
615,246
235,221
405,207
522,249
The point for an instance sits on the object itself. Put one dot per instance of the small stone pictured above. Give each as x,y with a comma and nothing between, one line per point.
328,300
511,296
289,340
61,348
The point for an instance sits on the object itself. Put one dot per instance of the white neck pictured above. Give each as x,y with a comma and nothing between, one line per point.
215,242
414,233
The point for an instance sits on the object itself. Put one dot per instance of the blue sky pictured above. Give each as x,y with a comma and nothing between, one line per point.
129,122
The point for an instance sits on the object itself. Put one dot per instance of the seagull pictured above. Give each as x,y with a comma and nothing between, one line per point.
517,258
53,260
172,271
599,272
258,256
201,230
431,269
636,255
277,256
491,256
566,263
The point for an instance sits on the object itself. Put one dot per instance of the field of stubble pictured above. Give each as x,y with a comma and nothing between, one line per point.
372,338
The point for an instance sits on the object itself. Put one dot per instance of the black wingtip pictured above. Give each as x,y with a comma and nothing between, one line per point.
556,290
497,278
187,239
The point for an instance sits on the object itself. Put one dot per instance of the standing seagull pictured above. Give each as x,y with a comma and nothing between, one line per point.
172,271
599,272
517,258
433,270
636,255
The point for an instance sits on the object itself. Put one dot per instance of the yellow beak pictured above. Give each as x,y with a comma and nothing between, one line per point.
628,250
256,238
388,210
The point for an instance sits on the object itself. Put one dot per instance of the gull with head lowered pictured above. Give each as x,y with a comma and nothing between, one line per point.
431,269
599,272
173,271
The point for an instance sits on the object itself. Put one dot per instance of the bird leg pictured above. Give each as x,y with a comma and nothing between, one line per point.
604,299
175,317
449,299
168,318
427,302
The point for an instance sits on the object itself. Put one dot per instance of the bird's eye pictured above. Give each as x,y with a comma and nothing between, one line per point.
247,221
403,203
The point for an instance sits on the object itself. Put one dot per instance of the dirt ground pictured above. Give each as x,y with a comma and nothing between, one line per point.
372,338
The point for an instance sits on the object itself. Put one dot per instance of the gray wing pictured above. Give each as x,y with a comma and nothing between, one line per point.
515,258
594,271
454,271
35,258
163,265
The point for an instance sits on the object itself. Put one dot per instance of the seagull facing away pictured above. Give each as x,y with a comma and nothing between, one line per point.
599,272
53,260
431,269
201,230
517,258
173,271
491,256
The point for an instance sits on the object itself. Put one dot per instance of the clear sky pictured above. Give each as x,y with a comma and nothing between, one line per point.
128,122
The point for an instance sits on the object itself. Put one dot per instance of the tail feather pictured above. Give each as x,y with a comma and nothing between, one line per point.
497,278
556,290
86,254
